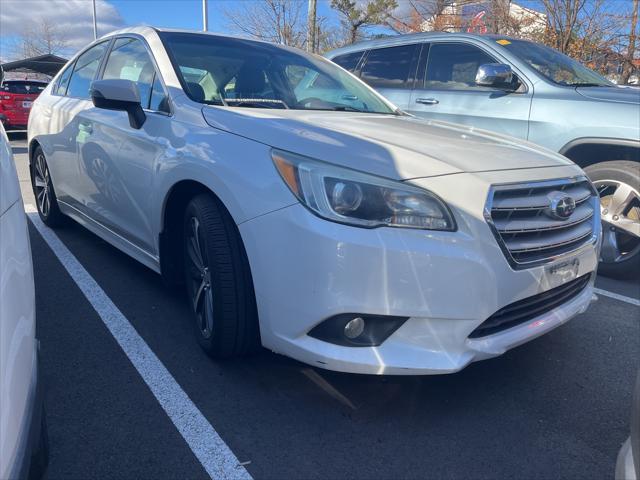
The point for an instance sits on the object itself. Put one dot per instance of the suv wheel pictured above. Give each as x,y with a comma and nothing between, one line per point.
46,200
218,280
618,183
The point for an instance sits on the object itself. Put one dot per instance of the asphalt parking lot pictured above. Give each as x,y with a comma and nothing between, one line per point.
557,407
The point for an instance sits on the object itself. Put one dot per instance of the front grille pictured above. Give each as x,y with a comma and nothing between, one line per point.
524,310
521,219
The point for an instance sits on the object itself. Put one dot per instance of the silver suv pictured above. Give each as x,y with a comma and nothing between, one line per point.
525,90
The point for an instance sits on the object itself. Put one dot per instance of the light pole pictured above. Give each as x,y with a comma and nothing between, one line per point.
95,22
205,16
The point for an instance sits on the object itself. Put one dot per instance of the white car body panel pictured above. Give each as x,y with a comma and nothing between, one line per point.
306,268
18,348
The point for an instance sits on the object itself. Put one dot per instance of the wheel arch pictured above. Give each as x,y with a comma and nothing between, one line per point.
33,144
588,151
170,237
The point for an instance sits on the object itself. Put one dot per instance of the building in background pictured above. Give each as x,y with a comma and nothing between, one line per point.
489,16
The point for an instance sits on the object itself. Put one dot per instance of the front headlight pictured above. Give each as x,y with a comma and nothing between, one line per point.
359,199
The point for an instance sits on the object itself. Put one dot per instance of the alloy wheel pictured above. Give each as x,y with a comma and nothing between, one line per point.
199,278
42,183
620,212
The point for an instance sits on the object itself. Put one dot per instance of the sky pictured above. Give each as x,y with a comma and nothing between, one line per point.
74,17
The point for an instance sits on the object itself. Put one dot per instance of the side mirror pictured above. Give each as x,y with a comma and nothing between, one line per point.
497,75
121,95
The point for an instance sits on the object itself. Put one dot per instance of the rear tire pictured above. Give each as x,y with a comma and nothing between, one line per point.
618,183
44,193
218,280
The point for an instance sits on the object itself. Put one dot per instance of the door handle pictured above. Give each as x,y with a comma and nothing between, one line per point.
427,101
85,127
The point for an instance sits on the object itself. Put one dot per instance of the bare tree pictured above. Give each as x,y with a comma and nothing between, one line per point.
278,21
357,15
631,46
562,18
40,38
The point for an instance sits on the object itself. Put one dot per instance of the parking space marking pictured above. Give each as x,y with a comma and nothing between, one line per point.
215,456
617,296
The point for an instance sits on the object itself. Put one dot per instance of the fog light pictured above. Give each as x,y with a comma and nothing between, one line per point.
354,328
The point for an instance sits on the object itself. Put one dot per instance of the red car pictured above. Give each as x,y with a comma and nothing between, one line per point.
16,98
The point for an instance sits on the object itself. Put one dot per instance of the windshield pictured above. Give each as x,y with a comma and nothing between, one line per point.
555,66
243,73
22,87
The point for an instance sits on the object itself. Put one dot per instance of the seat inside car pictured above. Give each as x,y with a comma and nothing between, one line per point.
250,82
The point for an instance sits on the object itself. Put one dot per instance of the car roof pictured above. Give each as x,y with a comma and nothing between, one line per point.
409,38
145,30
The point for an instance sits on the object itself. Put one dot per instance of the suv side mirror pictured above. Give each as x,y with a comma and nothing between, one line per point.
121,95
496,75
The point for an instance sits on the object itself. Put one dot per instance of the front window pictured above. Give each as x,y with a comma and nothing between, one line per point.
553,65
244,73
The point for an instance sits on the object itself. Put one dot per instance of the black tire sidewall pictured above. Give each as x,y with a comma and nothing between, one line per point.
233,298
55,217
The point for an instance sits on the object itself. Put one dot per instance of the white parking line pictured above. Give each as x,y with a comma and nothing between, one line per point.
205,443
617,296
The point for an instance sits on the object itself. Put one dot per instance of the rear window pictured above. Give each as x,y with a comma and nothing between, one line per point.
348,61
23,87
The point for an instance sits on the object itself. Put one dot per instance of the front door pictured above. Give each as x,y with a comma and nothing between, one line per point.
446,90
117,162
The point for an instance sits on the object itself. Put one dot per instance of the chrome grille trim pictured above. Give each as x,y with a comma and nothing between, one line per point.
527,236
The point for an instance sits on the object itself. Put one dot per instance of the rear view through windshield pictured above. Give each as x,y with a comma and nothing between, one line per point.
243,73
24,88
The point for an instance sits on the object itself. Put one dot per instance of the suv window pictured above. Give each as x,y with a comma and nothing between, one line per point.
129,60
453,66
85,71
348,61
389,67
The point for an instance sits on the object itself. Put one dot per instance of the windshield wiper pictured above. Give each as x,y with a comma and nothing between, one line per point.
256,102
346,108
585,84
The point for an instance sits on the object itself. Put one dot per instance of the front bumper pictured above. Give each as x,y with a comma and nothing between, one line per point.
306,270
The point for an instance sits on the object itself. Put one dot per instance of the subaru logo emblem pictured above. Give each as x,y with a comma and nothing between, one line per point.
561,205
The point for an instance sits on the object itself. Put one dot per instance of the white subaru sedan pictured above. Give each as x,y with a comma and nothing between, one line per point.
304,212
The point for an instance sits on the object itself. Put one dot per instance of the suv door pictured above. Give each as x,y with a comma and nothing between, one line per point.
446,90
391,71
117,160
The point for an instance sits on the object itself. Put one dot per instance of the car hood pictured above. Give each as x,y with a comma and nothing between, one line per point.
611,94
398,147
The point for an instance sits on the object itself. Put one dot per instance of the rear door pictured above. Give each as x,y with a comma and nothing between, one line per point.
446,90
391,71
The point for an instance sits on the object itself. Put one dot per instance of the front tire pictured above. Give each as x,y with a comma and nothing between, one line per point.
218,280
44,193
618,184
